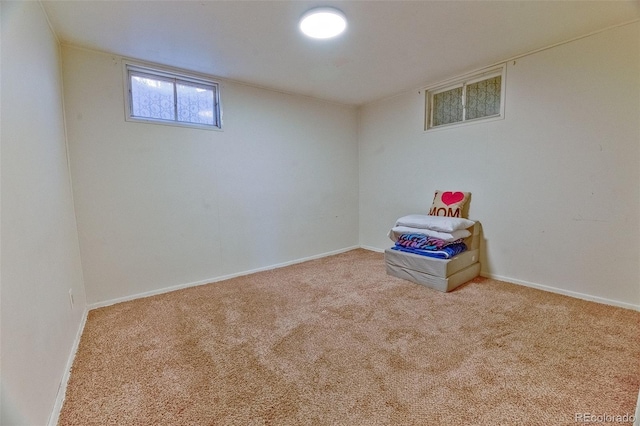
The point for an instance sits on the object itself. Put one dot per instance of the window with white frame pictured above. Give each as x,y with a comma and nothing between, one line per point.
477,97
160,96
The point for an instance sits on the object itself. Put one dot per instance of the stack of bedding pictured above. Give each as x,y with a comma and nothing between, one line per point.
432,236
439,250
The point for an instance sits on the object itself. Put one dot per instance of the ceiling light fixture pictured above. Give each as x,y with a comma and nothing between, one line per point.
323,22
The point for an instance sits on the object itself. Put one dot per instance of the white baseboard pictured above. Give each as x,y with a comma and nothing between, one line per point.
551,289
62,389
216,279
636,420
575,294
376,249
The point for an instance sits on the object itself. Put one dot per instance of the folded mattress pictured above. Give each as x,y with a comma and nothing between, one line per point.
443,284
430,265
440,274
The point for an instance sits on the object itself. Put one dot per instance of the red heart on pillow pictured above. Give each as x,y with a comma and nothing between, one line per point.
451,197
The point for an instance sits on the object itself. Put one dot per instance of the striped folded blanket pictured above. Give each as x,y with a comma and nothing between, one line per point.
446,253
423,242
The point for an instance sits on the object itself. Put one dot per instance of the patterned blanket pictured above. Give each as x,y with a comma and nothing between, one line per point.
424,242
447,252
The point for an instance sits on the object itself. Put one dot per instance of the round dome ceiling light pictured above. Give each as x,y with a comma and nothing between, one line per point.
323,22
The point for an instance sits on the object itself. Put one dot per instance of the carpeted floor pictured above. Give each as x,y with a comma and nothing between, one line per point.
336,341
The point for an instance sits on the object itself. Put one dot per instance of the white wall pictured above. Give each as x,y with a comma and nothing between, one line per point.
39,242
555,184
160,206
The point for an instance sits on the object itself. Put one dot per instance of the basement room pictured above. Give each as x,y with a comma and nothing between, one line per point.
227,213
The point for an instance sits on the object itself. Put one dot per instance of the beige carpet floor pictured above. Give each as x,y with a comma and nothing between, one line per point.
336,341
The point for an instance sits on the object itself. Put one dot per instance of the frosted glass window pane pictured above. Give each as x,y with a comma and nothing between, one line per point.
472,98
447,107
483,98
195,104
152,98
180,99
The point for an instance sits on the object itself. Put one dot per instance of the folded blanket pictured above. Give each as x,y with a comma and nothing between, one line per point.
446,253
396,231
424,242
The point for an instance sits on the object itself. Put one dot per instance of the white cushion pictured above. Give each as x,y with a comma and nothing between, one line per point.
435,223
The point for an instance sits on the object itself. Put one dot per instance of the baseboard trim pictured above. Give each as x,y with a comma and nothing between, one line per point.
215,279
62,389
551,289
556,290
636,421
376,249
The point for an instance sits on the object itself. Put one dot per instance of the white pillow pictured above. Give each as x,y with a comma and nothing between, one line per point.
435,223
396,231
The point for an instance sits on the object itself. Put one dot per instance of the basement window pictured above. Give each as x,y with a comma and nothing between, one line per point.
165,97
475,98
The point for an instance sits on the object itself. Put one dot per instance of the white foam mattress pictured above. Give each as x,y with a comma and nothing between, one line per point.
429,265
440,274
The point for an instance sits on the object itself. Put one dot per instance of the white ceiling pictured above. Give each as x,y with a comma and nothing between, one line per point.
389,47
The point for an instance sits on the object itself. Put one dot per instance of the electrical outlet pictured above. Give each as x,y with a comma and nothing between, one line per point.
71,297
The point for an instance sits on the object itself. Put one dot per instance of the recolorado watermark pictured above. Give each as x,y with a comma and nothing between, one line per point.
604,418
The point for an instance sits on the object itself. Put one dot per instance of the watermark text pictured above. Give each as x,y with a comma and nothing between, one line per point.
604,418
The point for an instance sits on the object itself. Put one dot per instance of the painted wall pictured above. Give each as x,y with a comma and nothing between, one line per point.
39,242
160,206
555,184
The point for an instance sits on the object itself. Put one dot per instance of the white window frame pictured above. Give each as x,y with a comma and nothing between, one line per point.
464,82
173,75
